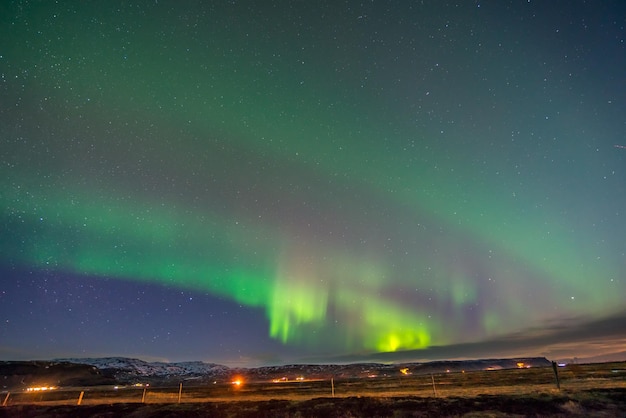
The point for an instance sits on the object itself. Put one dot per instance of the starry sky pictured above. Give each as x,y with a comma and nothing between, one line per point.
249,183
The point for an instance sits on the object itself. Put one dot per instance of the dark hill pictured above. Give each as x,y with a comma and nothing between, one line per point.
24,374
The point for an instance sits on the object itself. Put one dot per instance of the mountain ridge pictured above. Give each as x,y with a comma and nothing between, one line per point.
93,371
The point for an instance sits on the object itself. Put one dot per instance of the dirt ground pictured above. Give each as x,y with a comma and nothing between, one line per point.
591,403
586,391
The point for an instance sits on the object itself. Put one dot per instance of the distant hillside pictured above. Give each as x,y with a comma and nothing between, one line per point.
24,374
126,371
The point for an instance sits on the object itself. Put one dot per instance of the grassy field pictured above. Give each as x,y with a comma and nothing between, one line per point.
586,390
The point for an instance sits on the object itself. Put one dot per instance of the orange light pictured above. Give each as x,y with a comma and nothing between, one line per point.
40,388
237,382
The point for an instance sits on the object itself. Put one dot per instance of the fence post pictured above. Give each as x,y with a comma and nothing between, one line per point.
432,377
332,386
80,397
180,392
143,397
556,375
6,399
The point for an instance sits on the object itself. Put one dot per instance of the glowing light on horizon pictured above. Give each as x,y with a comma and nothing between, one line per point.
41,388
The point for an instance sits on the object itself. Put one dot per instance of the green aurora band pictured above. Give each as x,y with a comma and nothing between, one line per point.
96,224
80,235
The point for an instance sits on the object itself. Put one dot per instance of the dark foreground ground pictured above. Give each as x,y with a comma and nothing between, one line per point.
587,403
594,390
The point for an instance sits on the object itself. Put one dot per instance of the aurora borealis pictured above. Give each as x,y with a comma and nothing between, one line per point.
260,182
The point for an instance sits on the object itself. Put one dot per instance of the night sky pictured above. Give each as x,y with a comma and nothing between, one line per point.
260,182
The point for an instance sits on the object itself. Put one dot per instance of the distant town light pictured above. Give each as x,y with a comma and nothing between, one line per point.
40,388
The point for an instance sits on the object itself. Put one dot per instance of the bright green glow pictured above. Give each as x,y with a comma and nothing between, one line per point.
298,299
292,305
387,326
406,339
402,339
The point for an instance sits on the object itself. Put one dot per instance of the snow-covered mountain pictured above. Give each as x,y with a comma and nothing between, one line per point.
152,369
130,369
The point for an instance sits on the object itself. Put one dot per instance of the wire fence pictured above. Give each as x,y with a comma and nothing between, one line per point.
447,384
